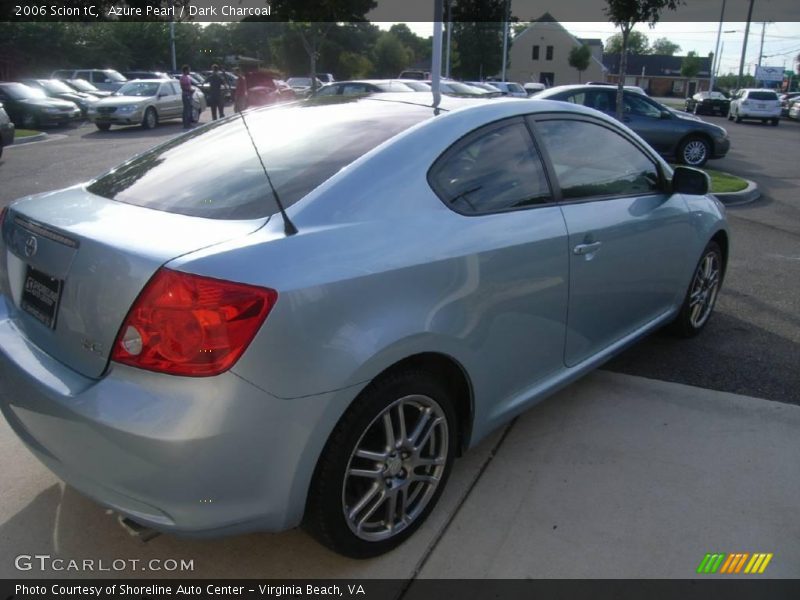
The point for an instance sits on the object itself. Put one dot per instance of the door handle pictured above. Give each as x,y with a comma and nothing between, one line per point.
587,248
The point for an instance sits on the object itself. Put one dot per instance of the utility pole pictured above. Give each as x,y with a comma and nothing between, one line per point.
172,45
449,25
436,54
744,44
715,64
761,49
505,38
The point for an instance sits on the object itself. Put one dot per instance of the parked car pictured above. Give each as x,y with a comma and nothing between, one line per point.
81,85
486,87
147,75
6,129
759,104
30,108
509,88
630,88
532,88
458,88
794,109
416,85
786,101
326,77
673,134
145,102
55,88
415,74
302,85
266,87
361,87
708,103
172,349
103,79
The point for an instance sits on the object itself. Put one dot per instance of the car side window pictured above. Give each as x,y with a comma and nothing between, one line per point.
637,105
592,160
332,90
494,169
175,88
100,77
351,89
84,75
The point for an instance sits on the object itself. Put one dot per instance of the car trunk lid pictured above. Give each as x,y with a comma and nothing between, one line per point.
74,262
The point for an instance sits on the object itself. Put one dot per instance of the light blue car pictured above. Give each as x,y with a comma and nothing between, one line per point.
211,340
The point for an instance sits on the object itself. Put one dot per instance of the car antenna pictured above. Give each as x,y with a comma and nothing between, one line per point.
288,226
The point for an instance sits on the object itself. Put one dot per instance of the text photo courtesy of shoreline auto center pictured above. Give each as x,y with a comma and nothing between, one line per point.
398,300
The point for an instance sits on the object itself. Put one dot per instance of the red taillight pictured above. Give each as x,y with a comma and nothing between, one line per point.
185,324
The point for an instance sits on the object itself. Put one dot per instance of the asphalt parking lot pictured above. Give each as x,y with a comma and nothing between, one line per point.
687,447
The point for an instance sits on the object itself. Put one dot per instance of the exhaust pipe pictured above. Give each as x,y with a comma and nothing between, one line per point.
137,530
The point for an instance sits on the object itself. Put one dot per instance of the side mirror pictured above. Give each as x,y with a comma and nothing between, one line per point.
687,180
665,114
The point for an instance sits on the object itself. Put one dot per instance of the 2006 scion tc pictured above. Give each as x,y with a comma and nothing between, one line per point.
305,313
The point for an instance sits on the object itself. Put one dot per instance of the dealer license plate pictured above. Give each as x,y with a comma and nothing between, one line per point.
41,296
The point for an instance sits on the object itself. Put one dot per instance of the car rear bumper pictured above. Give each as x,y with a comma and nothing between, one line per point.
750,113
192,456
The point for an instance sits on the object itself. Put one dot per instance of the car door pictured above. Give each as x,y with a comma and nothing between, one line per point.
170,101
628,237
514,295
645,118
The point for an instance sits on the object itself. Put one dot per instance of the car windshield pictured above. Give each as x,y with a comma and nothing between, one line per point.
138,88
301,146
393,86
114,76
19,91
515,87
54,86
82,85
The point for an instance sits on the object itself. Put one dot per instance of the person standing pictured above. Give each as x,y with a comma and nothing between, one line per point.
215,96
240,96
186,96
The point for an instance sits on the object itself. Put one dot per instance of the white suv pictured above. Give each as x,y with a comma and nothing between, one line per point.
755,104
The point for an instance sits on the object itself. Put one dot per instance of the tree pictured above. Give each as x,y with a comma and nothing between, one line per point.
665,47
579,58
479,43
625,14
690,66
391,56
312,20
637,44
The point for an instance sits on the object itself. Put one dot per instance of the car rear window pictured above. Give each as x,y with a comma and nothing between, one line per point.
762,96
214,171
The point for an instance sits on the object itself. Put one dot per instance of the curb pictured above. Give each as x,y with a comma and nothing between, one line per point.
30,138
749,194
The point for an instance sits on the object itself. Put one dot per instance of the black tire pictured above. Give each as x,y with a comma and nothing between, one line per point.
150,119
694,151
730,116
775,122
103,126
688,323
738,118
334,489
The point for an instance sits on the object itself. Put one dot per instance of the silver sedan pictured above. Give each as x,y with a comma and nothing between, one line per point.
303,314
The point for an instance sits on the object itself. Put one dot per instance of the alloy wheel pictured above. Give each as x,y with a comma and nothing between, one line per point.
395,468
695,152
705,287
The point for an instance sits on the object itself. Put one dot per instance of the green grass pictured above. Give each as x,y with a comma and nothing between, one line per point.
725,182
722,182
21,133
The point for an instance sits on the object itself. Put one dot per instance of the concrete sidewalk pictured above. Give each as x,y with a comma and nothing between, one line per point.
616,476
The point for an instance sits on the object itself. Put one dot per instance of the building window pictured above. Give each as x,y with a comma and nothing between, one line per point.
535,54
549,53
